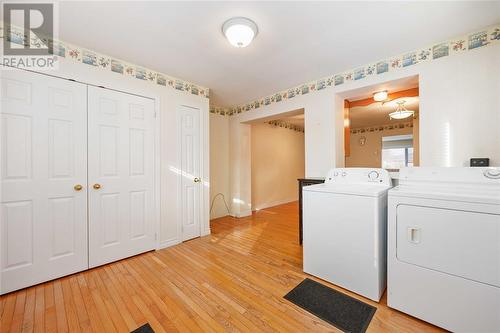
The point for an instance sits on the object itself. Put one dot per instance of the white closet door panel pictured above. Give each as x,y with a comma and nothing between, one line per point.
191,184
121,161
43,155
17,224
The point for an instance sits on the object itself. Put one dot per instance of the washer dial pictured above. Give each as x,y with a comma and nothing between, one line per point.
373,175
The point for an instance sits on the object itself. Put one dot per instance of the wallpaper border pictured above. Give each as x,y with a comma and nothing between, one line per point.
286,125
99,60
380,128
458,45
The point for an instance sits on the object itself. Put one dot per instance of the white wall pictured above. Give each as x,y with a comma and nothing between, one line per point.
219,165
460,99
277,163
167,101
459,118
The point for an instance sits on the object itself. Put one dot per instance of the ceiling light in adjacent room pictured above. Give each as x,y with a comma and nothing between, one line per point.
380,96
239,31
401,112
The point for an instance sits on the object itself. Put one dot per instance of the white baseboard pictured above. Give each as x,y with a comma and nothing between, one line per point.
217,216
168,243
243,214
274,203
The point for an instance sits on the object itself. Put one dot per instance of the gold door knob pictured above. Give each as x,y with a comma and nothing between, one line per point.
78,187
197,180
96,186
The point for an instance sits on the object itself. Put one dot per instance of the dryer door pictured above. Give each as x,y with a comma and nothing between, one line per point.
461,243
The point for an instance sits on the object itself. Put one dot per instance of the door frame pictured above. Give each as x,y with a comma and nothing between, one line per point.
141,92
204,171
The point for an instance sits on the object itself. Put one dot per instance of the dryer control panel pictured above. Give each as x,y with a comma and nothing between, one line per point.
465,175
358,176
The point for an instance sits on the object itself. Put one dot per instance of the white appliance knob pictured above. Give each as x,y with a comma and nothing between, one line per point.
336,174
373,175
492,173
344,174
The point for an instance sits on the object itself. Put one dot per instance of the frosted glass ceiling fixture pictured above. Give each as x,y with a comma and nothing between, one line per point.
380,96
239,31
401,112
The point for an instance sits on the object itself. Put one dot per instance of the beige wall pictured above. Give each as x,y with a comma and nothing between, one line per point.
370,155
219,165
277,161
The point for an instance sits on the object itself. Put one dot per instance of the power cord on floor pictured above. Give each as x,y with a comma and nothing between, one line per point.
223,199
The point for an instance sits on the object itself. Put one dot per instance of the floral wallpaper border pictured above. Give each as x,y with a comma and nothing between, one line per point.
472,41
219,110
284,124
98,60
381,128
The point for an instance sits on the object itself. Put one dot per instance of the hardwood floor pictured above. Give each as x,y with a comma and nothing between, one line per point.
231,281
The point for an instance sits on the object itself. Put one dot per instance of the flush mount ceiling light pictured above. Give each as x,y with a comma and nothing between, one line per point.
401,112
380,96
239,31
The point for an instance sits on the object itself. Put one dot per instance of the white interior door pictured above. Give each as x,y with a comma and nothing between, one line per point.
191,183
121,175
43,215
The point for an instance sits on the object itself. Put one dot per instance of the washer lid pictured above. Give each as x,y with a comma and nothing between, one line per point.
367,190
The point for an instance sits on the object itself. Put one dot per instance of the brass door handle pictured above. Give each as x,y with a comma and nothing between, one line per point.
78,187
96,186
197,180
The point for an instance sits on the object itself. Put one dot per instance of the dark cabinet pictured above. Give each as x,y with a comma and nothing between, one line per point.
305,182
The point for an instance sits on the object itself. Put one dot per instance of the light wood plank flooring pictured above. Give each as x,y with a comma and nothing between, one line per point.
231,281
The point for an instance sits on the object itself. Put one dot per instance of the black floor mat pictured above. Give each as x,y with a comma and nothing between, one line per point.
144,329
342,311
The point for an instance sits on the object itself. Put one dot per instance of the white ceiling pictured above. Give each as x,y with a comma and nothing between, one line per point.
297,41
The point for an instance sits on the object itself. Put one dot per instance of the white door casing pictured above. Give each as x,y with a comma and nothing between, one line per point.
190,167
121,161
43,229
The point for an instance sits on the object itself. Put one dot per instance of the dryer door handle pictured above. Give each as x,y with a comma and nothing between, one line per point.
413,235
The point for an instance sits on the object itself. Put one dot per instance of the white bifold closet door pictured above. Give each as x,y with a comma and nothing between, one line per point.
77,177
43,229
120,174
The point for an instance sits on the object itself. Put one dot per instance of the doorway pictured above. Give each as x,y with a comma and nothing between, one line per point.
383,131
277,160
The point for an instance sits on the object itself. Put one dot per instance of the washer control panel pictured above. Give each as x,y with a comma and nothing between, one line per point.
373,175
358,175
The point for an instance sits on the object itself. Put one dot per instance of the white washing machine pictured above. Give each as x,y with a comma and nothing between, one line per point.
345,228
444,247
